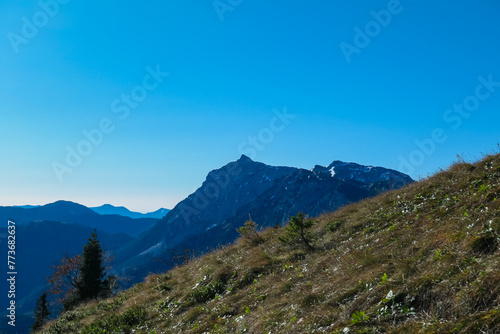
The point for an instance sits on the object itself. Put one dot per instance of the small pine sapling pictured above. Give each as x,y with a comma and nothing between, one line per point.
297,230
249,232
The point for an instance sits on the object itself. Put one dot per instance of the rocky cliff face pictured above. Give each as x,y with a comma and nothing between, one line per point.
209,216
368,175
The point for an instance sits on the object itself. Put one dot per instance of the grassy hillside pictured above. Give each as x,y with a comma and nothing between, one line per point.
423,259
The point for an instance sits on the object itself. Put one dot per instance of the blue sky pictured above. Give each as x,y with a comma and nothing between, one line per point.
227,80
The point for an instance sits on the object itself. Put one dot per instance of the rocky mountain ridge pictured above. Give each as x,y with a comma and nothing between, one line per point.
269,194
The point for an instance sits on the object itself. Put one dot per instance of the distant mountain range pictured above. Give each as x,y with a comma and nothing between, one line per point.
26,206
41,244
69,212
208,217
45,233
108,209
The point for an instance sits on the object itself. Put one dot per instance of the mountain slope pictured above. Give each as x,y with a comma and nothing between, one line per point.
158,214
223,192
209,217
78,214
422,259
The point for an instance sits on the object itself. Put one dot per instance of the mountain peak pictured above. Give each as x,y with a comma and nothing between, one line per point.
112,206
65,204
244,159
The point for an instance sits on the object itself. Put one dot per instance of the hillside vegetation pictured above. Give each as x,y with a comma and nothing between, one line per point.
422,259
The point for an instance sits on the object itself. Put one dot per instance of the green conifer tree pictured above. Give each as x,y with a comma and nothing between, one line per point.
41,312
297,229
91,281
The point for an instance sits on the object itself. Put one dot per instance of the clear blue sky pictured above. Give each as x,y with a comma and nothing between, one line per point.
225,79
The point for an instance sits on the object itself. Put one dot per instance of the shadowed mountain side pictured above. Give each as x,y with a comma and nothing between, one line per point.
42,244
269,194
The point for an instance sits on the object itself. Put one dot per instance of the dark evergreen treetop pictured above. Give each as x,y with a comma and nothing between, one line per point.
92,271
41,312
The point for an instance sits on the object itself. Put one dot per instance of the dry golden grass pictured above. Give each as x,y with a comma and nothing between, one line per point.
423,259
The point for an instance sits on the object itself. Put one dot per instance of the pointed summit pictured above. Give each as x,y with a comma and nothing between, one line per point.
244,159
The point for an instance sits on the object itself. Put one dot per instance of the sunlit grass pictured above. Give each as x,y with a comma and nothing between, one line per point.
423,259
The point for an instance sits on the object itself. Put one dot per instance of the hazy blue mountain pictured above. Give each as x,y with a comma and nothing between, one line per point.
75,213
108,209
26,206
158,214
208,217
39,245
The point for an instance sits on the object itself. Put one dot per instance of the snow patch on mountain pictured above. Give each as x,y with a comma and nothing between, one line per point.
153,250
